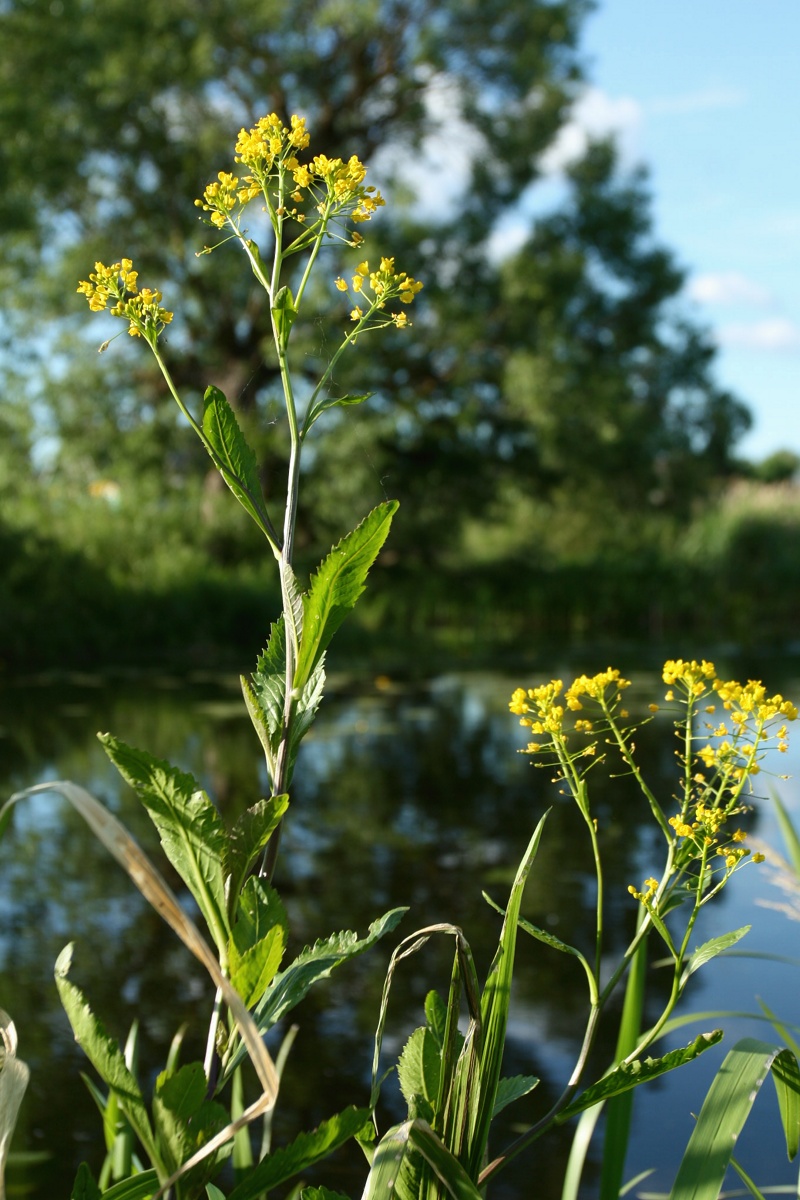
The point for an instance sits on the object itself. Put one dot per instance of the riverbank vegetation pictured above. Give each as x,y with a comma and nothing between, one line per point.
557,404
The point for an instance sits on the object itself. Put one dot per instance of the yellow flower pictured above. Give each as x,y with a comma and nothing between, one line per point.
341,285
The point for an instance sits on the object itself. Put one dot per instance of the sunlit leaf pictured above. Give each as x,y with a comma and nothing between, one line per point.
105,1055
249,836
253,970
284,313
306,1150
630,1075
191,830
332,402
711,949
419,1066
725,1109
337,585
511,1089
232,455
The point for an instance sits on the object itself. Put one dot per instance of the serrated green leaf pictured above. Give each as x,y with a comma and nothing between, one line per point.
630,1075
436,1016
235,460
259,910
332,402
185,1120
191,830
725,1109
253,970
104,1054
248,838
85,1186
337,585
284,313
292,604
419,1066
711,949
313,964
267,701
511,1089
306,1150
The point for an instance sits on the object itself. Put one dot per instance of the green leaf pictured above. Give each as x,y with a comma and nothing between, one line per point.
85,1186
191,830
332,402
284,313
392,1152
259,910
185,1120
253,970
436,1016
104,1054
140,1187
248,838
725,1109
337,585
267,700
314,963
711,949
494,1012
234,459
419,1066
630,1075
306,1150
509,1090
321,1193
213,1192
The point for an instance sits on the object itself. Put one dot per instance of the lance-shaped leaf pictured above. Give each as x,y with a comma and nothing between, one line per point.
140,1187
337,586
726,1108
630,1074
509,1090
106,1056
248,838
14,1076
191,830
284,313
232,455
494,1010
185,1120
419,1067
313,964
85,1186
306,1150
711,949
266,701
332,402
253,969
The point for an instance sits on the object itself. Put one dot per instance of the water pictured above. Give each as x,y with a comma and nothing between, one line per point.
405,794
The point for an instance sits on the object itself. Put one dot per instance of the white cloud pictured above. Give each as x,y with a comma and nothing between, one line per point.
700,101
727,287
595,114
774,333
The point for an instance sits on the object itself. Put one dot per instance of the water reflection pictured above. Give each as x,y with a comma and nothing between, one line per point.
405,794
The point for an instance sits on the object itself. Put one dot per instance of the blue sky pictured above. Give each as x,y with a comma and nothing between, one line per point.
705,94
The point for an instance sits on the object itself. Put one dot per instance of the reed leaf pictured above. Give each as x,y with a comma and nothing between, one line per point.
726,1108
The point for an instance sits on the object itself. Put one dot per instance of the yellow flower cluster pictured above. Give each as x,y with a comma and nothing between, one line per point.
269,151
651,887
142,309
595,687
385,284
542,701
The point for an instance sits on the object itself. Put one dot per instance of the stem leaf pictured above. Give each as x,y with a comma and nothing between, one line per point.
630,1075
233,457
337,585
332,402
711,949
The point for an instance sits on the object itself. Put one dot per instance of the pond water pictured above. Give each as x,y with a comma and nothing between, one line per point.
405,793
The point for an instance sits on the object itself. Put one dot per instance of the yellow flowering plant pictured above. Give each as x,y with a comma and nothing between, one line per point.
724,730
